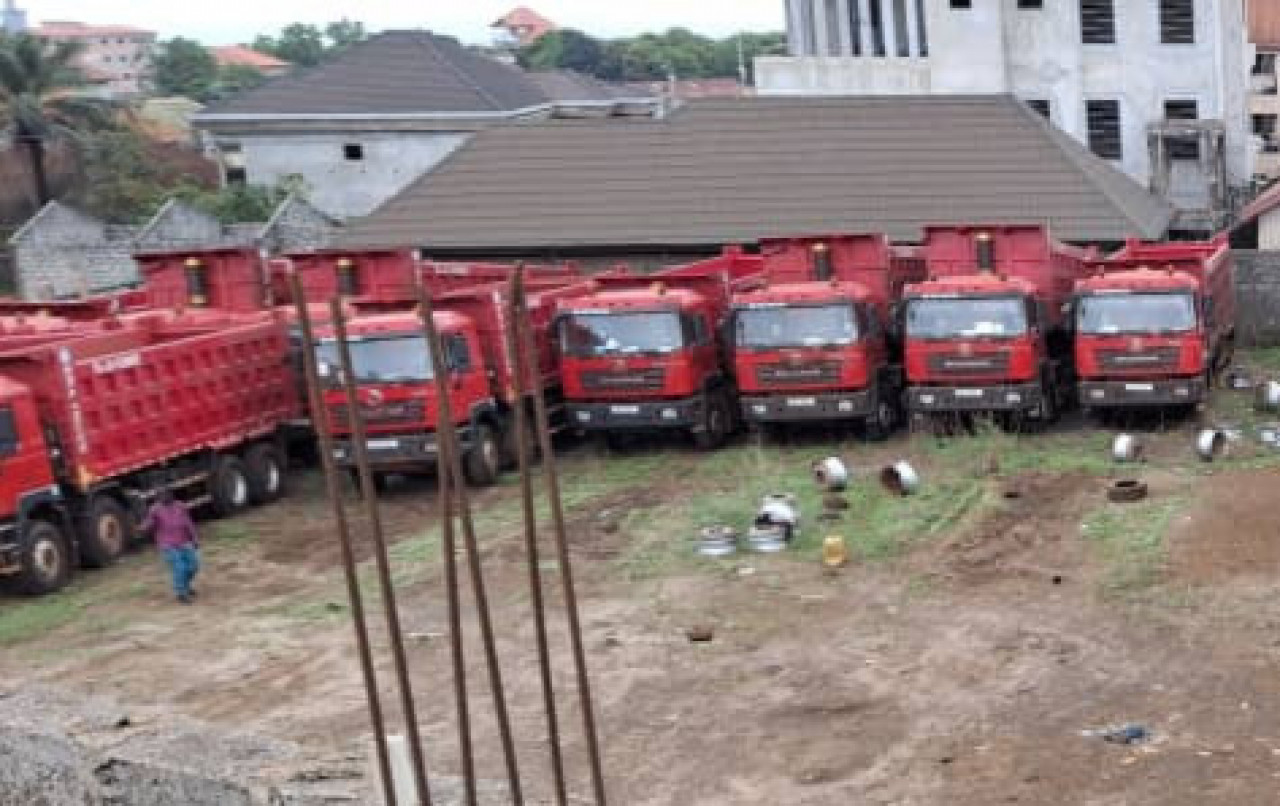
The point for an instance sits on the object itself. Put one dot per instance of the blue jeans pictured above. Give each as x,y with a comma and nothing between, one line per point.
184,564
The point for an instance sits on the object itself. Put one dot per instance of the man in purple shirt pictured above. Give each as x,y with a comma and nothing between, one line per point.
176,537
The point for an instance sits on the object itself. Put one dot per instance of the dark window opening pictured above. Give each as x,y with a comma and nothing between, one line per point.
961,4
855,29
1030,3
1041,106
924,28
1104,128
1264,126
8,432
237,176
1264,64
1177,22
1098,22
1185,148
877,29
354,152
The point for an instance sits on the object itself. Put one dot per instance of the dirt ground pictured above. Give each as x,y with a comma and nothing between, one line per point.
969,667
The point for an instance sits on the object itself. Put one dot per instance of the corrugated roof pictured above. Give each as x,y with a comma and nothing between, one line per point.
735,170
1264,23
570,85
396,72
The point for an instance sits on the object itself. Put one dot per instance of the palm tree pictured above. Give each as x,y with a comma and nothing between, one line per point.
41,102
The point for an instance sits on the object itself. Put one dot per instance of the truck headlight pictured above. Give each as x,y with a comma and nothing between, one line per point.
845,405
670,414
584,416
1097,394
759,408
1013,397
926,399
1181,391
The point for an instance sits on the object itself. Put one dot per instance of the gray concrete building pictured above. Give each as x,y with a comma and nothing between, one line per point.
1160,89
359,129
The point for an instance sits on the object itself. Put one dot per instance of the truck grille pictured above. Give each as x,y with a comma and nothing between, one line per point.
817,372
650,378
1152,358
409,411
982,364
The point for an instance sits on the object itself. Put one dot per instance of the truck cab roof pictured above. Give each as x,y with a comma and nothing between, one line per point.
809,293
635,299
1141,279
970,285
396,324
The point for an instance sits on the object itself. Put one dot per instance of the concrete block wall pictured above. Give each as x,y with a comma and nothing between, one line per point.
1258,298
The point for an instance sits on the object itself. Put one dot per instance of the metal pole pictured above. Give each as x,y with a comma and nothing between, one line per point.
566,565
324,440
360,450
449,549
446,434
527,371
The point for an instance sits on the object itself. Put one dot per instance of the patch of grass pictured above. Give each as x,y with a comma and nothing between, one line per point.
1131,541
1263,358
88,603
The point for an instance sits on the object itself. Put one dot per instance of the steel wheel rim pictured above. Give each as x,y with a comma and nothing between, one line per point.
47,559
239,490
111,534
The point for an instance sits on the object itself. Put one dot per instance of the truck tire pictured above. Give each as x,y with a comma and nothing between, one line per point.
884,417
716,423
229,486
265,466
483,461
45,557
105,534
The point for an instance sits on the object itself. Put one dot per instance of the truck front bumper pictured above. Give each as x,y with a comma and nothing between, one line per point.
638,415
1137,394
804,407
392,452
1005,397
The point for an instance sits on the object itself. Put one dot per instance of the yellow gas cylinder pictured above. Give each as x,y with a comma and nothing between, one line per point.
834,553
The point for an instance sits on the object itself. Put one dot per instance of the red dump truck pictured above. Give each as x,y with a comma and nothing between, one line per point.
92,425
815,343
1155,324
397,388
643,352
988,332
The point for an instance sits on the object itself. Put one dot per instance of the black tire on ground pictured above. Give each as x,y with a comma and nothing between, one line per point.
229,486
884,417
45,557
483,462
717,421
105,534
265,466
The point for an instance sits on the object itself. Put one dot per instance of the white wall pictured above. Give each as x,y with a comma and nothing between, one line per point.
340,187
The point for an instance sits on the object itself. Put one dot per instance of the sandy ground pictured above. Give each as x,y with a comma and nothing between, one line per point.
966,670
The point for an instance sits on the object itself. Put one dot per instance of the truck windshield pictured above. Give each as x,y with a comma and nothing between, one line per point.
396,359
1136,313
966,318
796,326
592,334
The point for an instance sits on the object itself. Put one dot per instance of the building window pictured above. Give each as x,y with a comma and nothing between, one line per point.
1104,128
236,177
832,13
1098,22
962,3
808,33
1187,148
1041,107
1030,3
353,152
924,28
1264,64
1177,22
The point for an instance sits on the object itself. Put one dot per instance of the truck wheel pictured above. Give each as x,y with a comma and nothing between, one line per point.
716,420
229,486
266,468
106,533
883,418
45,558
483,462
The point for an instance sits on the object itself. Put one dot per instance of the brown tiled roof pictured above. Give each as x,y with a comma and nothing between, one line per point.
732,170
397,72
570,85
1264,23
228,55
524,17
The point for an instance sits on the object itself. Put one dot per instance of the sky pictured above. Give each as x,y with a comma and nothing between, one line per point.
229,21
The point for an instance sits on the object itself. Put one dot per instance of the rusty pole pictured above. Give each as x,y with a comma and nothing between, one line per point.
449,549
566,568
319,420
523,373
447,435
360,450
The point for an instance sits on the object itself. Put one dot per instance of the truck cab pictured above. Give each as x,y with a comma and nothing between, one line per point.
34,539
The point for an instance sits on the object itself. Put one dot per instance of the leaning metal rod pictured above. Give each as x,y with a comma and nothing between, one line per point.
449,549
319,421
447,436
562,553
521,372
360,450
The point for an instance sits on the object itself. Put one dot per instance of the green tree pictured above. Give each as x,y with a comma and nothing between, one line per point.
298,43
184,67
236,78
564,49
39,103
344,33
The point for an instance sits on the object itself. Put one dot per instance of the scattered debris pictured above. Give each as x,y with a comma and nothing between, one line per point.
1127,448
780,510
831,474
1125,491
834,501
717,541
1131,733
1239,379
700,633
900,478
1269,435
767,539
1211,443
1268,396
834,552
